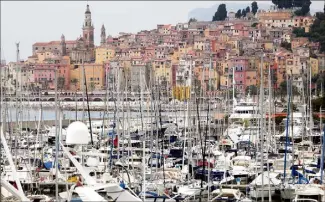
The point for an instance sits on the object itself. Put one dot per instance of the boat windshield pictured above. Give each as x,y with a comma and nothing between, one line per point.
314,197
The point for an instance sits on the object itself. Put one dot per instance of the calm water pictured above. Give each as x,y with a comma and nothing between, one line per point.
49,114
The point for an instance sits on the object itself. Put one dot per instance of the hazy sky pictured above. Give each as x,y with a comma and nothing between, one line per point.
28,22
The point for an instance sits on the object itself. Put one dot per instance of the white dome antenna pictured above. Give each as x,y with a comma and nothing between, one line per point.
77,133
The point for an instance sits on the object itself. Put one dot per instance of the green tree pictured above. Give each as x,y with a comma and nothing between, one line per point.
283,88
317,31
283,3
192,20
305,8
221,13
60,83
286,45
243,13
319,80
254,7
300,32
238,14
252,89
230,93
197,86
248,9
92,86
317,103
254,24
74,82
45,85
298,3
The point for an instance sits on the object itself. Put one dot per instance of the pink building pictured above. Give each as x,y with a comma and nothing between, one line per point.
240,65
44,74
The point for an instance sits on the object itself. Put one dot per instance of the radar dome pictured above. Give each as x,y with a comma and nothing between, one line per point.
77,133
92,162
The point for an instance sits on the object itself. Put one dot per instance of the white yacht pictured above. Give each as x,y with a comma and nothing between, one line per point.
246,109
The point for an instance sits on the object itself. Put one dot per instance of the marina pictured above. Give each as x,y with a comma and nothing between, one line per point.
178,155
226,110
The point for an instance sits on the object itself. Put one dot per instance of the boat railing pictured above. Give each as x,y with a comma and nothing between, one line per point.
304,200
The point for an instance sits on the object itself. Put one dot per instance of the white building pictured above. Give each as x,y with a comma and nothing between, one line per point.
184,72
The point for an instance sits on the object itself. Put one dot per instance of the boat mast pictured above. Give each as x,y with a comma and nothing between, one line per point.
144,140
310,105
262,123
14,172
208,127
88,108
56,137
269,131
17,109
287,128
233,89
291,105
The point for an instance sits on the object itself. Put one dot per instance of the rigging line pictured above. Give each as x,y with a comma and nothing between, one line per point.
163,134
88,109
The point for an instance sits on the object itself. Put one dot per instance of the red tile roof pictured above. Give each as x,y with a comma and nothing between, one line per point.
53,43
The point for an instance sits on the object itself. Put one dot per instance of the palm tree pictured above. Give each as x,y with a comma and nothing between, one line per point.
92,86
74,82
60,83
46,84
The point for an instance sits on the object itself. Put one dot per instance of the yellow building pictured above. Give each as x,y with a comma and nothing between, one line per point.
224,67
234,43
206,32
175,57
224,81
199,44
94,73
303,22
135,52
181,92
274,14
314,66
104,54
268,45
41,56
184,50
162,69
223,38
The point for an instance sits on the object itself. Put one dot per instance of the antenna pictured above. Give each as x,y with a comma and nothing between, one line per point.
17,52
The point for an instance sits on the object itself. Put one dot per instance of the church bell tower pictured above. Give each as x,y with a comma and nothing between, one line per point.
88,30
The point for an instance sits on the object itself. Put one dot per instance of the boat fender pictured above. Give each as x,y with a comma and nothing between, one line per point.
79,182
122,184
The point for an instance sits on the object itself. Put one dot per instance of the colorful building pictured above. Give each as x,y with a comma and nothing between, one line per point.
314,66
92,72
104,54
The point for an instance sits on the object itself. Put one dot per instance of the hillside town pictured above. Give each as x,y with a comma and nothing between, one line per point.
206,54
230,109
